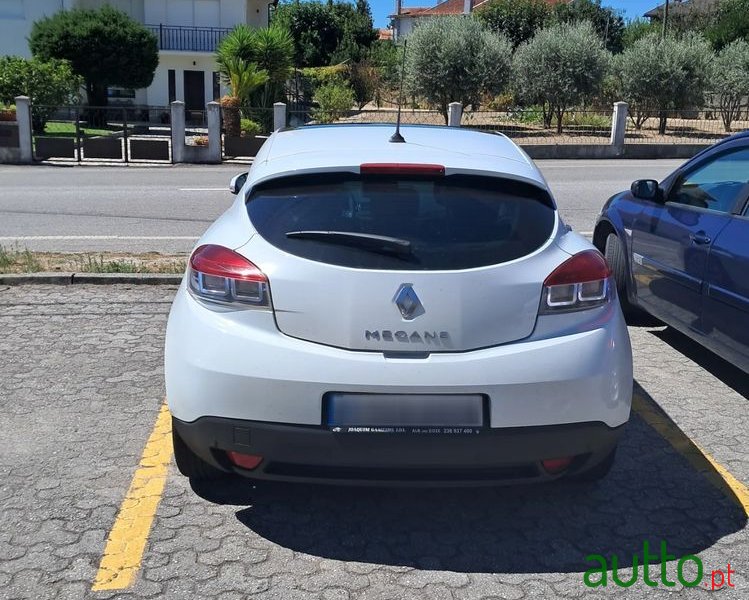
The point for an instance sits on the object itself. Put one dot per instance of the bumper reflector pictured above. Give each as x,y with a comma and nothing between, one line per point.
245,461
553,466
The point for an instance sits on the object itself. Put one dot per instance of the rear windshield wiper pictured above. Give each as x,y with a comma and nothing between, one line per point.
381,244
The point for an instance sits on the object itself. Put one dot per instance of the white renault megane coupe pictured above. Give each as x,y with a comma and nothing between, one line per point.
378,312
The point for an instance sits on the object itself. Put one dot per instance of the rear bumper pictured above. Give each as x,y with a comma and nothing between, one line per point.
315,454
237,365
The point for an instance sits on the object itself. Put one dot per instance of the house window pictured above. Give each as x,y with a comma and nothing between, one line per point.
172,85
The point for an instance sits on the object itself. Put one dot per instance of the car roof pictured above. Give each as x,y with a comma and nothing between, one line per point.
321,148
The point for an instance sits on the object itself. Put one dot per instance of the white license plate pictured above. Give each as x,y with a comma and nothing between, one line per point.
345,411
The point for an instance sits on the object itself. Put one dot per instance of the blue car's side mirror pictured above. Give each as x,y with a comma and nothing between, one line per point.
646,189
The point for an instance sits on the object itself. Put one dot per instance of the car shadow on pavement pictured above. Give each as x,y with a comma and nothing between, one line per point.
729,374
652,493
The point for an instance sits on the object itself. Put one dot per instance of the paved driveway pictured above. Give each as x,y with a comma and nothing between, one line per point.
80,390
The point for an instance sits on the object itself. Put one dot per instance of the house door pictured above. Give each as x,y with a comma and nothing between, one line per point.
194,90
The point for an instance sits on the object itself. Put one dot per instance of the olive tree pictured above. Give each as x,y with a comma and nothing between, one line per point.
561,67
731,80
657,75
455,59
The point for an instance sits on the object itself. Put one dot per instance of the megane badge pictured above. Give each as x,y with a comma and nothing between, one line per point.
408,302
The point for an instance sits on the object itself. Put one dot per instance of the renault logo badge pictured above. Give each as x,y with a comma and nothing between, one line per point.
408,302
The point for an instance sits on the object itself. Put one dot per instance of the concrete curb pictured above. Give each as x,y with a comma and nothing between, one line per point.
90,278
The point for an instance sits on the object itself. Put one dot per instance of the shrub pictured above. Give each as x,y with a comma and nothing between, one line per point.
454,59
250,128
364,79
333,100
562,66
48,84
731,80
660,74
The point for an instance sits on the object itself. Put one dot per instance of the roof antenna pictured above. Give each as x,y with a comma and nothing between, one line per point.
397,138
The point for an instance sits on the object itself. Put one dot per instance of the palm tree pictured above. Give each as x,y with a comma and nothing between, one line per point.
243,78
271,51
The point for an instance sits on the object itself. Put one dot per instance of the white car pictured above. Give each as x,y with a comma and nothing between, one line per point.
378,312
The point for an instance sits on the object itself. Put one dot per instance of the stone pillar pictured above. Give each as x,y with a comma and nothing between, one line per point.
454,114
619,126
279,116
23,116
178,132
213,117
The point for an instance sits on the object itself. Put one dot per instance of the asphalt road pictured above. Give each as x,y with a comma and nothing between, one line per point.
165,209
81,385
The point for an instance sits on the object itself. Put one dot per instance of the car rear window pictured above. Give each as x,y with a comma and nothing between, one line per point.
454,222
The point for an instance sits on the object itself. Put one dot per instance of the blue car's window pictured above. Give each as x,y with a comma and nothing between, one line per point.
717,184
454,222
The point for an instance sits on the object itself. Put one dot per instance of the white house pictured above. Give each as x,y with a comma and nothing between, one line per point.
188,32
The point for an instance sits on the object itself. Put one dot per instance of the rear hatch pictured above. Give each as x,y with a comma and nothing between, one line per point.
403,262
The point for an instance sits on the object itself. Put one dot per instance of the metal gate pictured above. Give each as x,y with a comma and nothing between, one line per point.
109,134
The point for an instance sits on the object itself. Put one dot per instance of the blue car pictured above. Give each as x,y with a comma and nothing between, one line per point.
679,249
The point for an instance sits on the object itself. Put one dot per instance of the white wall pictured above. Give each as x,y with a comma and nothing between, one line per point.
158,92
403,27
197,13
16,19
257,13
18,16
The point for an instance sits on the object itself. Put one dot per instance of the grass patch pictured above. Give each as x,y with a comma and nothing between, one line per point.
92,264
15,260
65,129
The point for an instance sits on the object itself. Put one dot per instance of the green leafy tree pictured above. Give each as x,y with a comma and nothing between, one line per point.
357,31
730,80
104,46
563,66
517,19
730,23
49,84
314,29
660,75
327,33
454,59
607,22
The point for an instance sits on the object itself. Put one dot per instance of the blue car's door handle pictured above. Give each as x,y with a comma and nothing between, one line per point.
700,238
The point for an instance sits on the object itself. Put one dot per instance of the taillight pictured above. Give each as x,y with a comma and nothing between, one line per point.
221,275
578,283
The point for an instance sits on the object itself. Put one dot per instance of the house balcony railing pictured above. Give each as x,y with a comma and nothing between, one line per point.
188,39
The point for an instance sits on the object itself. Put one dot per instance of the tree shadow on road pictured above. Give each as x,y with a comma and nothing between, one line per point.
652,493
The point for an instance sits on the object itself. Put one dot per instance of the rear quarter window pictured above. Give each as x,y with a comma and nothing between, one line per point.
454,222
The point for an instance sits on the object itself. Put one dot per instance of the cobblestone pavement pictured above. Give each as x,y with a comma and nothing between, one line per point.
80,388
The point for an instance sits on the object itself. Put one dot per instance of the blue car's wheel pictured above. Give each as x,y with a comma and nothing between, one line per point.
614,253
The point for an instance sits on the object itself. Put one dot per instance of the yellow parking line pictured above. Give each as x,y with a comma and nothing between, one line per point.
127,539
705,464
